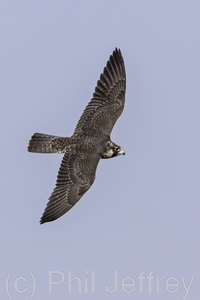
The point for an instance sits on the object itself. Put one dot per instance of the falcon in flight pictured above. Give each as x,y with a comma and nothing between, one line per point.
88,144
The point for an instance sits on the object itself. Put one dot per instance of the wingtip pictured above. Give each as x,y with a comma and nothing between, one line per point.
42,220
117,54
117,50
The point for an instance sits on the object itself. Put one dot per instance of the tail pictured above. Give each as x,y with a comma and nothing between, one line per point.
44,143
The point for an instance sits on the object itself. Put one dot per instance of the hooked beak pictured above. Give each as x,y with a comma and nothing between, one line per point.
121,152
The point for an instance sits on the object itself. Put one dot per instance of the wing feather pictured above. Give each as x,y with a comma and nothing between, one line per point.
108,100
75,177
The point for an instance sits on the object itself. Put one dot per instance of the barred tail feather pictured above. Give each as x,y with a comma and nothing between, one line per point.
44,143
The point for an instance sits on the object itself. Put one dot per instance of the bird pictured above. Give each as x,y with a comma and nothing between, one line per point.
89,142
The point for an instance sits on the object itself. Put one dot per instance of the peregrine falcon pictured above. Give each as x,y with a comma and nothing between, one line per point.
88,144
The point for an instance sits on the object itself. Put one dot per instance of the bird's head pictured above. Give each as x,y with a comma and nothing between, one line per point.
112,150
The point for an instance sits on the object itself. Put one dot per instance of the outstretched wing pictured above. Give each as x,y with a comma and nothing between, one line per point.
108,100
75,177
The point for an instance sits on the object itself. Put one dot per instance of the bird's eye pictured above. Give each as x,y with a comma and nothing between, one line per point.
117,149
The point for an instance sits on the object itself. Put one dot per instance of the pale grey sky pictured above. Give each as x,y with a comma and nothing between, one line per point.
140,219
